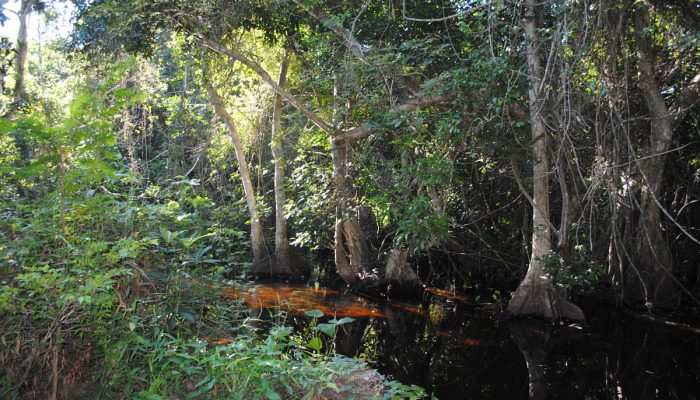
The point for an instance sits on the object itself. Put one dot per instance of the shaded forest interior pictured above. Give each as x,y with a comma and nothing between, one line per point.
156,155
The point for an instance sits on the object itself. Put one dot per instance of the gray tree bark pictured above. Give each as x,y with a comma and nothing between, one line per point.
649,279
350,247
19,92
281,239
536,294
256,235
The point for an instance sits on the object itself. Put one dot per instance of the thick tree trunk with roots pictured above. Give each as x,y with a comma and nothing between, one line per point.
399,275
536,294
352,254
256,235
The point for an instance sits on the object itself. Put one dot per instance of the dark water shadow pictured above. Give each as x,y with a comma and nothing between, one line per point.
458,349
534,341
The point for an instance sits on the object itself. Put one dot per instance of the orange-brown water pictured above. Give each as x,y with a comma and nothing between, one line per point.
297,300
447,294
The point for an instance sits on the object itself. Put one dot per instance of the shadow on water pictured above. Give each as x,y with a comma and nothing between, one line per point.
458,349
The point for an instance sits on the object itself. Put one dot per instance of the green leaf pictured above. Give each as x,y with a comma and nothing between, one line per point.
147,395
315,313
123,253
188,316
333,386
328,329
200,253
315,344
271,394
182,216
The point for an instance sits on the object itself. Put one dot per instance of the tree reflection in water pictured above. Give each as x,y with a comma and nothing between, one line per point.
533,339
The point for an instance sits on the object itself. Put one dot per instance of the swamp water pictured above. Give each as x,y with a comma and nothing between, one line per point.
456,347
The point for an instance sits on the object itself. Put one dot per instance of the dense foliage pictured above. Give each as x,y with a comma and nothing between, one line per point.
408,144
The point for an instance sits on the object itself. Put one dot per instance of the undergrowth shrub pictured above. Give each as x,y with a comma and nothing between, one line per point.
246,367
110,282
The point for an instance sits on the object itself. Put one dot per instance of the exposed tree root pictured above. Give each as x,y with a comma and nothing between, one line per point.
538,297
292,268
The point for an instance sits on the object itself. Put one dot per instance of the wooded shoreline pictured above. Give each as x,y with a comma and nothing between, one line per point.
543,150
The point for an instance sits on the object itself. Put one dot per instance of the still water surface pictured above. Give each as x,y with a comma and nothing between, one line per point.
455,346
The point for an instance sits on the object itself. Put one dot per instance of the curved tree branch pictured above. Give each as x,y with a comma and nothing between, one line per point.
689,97
350,135
260,71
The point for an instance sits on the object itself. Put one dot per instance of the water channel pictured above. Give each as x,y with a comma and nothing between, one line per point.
455,346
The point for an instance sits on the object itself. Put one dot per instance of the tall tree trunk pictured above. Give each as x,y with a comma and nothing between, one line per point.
351,249
3,69
20,90
19,93
256,235
282,264
649,279
20,97
536,294
563,245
